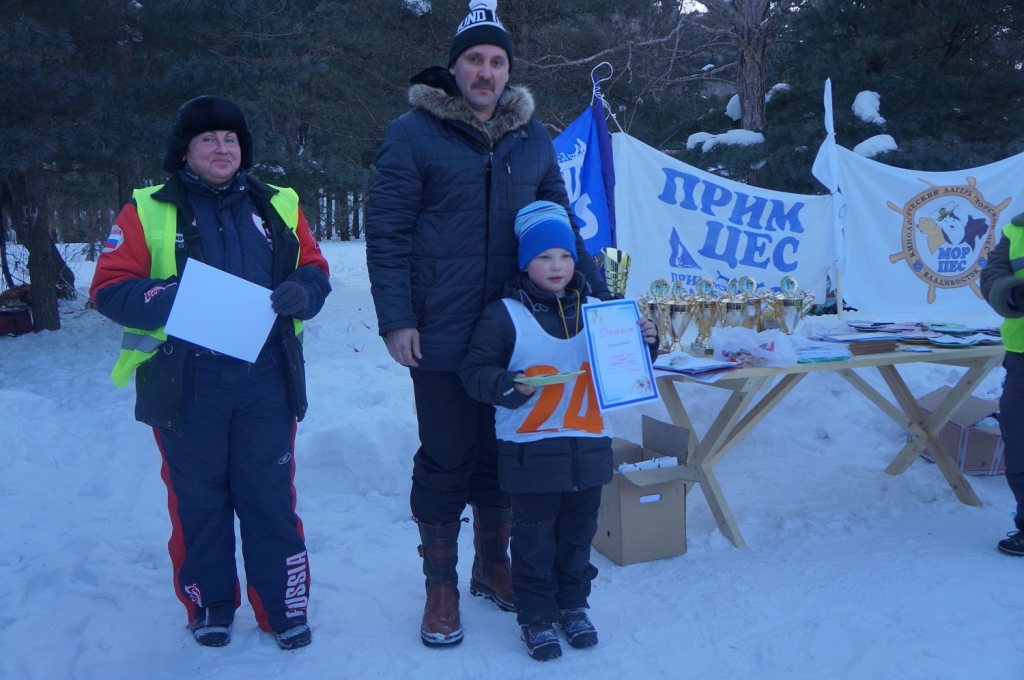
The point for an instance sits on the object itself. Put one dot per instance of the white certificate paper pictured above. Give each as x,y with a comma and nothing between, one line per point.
222,312
619,358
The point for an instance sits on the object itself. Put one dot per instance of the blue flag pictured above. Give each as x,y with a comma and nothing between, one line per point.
585,156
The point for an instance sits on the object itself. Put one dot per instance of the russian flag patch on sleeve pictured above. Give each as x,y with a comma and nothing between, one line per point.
114,241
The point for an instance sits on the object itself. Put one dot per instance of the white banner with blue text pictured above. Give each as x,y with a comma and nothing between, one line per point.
679,223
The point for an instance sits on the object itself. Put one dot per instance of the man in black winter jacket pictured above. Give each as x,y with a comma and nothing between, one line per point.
450,177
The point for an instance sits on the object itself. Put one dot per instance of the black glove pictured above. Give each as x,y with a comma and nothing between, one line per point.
289,299
1017,297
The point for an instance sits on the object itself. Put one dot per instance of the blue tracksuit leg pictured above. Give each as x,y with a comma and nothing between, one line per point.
273,547
236,457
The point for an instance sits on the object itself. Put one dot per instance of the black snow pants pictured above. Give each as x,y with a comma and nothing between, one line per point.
551,535
236,458
1011,423
458,455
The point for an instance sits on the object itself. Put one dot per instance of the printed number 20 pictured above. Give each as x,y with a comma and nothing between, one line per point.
551,396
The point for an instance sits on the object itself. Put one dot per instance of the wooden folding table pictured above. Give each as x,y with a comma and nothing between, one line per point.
734,421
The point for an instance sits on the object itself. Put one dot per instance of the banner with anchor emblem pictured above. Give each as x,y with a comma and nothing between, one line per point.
917,241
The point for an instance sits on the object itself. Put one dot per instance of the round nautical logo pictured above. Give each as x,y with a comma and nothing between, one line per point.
947,234
114,241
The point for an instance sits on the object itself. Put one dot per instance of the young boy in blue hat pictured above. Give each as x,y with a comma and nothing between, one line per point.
554,445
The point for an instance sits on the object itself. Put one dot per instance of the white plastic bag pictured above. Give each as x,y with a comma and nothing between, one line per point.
767,348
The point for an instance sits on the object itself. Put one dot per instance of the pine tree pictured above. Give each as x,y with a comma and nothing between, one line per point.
948,72
40,94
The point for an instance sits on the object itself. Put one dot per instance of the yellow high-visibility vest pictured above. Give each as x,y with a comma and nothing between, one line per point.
1012,330
160,225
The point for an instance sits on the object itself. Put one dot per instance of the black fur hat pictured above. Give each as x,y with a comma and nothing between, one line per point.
203,114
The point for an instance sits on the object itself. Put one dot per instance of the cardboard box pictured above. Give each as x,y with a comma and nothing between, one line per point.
643,512
977,450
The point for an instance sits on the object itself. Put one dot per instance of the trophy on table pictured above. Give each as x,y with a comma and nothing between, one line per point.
650,307
732,305
790,304
757,303
678,308
704,309
616,270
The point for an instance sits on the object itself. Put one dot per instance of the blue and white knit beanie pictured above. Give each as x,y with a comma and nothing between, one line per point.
542,225
481,27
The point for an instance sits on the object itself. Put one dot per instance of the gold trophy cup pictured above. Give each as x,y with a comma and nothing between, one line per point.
755,303
790,304
659,292
616,270
732,305
679,307
650,305
705,314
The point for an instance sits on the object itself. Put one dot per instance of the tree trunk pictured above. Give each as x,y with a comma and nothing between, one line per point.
754,23
331,214
5,203
28,194
750,82
129,174
4,267
65,277
341,216
13,200
358,203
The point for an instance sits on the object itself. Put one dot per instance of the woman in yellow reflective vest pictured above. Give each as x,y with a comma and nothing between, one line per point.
225,428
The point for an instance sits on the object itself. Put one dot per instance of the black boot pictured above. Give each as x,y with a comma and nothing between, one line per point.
294,637
1013,544
579,630
492,571
441,625
541,641
213,628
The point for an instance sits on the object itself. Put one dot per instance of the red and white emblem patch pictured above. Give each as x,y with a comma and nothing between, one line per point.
262,227
114,241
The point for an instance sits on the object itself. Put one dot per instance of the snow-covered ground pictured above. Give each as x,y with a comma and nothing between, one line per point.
849,573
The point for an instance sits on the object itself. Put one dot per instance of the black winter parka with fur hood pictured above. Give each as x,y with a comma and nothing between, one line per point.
440,240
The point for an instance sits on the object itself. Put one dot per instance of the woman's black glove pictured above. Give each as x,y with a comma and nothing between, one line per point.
1017,297
289,299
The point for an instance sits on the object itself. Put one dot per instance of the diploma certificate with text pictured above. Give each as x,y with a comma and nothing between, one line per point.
619,358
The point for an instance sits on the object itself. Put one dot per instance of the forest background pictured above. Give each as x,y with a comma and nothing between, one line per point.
88,89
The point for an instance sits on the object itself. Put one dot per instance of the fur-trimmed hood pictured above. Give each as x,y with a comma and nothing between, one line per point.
515,109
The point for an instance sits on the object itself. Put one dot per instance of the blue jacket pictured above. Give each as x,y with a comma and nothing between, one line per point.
218,229
440,240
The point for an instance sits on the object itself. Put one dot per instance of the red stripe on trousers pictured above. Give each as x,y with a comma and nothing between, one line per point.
262,616
176,544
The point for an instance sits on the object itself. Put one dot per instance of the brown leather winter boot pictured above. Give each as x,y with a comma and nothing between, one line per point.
492,572
441,625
